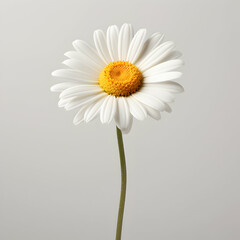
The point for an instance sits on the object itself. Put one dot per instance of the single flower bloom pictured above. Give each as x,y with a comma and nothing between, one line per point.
125,76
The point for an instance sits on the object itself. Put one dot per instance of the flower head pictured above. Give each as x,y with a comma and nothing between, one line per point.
125,76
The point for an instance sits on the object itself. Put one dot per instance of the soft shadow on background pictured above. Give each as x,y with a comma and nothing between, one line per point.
60,181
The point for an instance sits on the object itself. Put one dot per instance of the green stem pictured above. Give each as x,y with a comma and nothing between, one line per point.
123,184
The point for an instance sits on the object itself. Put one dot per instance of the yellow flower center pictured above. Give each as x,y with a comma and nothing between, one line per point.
120,78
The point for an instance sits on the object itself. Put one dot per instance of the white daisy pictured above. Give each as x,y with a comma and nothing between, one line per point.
125,76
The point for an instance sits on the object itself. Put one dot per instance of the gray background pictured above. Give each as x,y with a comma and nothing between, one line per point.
59,181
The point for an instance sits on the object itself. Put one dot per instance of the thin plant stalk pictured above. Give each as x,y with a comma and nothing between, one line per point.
123,184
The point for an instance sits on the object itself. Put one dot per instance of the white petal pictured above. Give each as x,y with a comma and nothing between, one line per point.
80,90
122,117
88,51
124,40
155,114
153,42
114,108
172,55
108,109
105,110
149,100
80,65
156,55
162,77
79,117
136,45
62,86
112,42
94,64
93,110
163,67
160,94
101,46
128,128
136,108
168,86
81,101
168,108
64,102
81,93
75,75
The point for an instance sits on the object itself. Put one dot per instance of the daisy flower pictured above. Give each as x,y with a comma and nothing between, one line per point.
124,76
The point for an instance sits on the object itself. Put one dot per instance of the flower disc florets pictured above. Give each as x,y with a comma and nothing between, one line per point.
120,78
